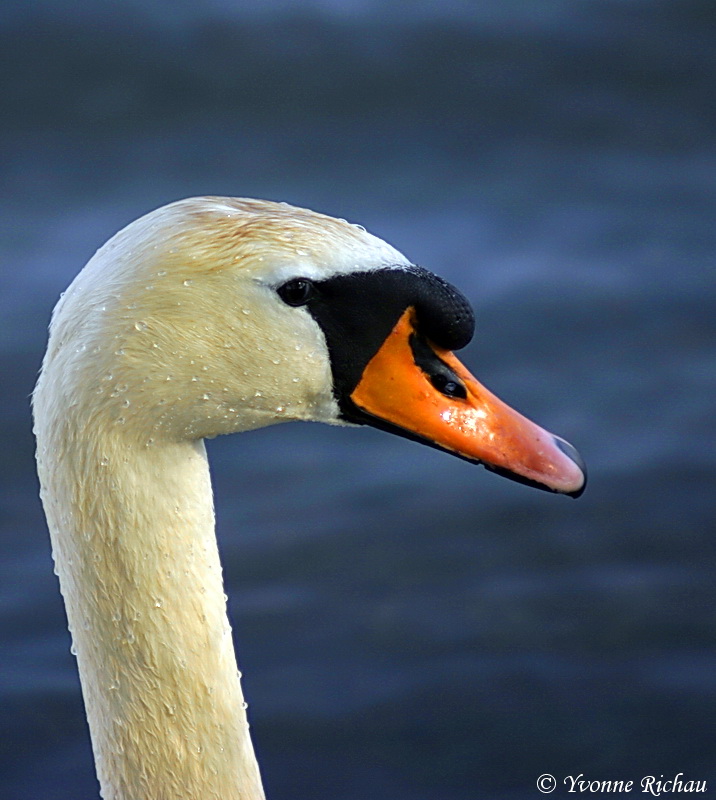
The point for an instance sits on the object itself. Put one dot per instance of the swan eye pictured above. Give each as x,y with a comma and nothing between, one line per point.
296,292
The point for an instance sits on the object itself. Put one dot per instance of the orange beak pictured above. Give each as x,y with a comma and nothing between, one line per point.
470,422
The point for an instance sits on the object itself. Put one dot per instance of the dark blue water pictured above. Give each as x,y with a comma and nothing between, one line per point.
408,625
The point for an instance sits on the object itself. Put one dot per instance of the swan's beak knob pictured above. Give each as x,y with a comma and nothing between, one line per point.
418,390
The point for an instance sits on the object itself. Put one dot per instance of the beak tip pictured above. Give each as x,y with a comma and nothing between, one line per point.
571,452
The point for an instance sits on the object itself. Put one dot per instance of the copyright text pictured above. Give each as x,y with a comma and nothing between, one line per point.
649,784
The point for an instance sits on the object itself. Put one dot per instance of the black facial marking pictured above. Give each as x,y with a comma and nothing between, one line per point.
358,310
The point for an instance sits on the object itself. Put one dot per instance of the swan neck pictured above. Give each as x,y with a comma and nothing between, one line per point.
132,528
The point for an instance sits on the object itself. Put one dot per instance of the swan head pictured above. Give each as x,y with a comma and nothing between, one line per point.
214,315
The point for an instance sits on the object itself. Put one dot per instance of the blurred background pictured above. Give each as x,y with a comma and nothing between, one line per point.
409,626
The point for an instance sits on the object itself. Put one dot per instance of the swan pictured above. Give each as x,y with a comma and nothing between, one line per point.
209,316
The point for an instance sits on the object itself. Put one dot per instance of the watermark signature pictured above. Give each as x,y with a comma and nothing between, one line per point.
649,784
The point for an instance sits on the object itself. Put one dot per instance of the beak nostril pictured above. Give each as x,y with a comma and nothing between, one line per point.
440,375
447,386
